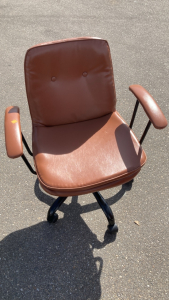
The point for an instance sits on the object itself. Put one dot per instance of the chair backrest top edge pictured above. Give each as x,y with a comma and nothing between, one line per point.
65,41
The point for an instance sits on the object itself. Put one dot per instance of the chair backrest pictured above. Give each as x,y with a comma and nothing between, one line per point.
69,81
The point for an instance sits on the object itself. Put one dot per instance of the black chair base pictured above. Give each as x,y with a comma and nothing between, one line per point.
52,217
112,228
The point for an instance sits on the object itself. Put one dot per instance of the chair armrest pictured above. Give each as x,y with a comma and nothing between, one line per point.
150,106
13,137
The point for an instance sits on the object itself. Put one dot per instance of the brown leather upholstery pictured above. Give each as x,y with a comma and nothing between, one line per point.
69,81
80,143
87,156
13,136
150,106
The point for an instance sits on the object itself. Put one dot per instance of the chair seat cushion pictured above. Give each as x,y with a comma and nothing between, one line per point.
87,156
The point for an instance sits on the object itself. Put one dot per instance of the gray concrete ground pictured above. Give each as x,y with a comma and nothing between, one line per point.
74,259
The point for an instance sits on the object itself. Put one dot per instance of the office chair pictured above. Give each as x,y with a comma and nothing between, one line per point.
80,142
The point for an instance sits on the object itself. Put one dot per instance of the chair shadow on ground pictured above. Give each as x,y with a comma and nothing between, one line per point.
55,261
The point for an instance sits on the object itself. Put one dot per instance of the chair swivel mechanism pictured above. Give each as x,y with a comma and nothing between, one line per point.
80,143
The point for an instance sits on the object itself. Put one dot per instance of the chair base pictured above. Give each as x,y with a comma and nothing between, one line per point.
52,217
112,228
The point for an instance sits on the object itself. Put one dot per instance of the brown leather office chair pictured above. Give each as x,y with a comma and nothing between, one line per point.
80,142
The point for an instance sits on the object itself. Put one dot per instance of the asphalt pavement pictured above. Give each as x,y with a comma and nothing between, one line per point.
74,258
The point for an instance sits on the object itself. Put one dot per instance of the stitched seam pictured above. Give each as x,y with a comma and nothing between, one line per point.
91,185
74,122
133,174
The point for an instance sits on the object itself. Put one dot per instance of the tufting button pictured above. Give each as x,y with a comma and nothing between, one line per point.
53,78
84,74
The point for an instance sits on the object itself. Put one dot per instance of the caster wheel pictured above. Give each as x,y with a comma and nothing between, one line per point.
53,218
112,229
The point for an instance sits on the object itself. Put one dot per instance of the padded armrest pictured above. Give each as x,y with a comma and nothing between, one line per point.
13,137
150,106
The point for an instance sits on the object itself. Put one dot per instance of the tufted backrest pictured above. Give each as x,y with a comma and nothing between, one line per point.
69,81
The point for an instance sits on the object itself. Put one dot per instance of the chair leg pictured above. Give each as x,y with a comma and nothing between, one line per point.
112,227
52,216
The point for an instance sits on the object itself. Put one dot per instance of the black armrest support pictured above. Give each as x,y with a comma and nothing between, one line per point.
24,157
26,145
28,164
134,114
